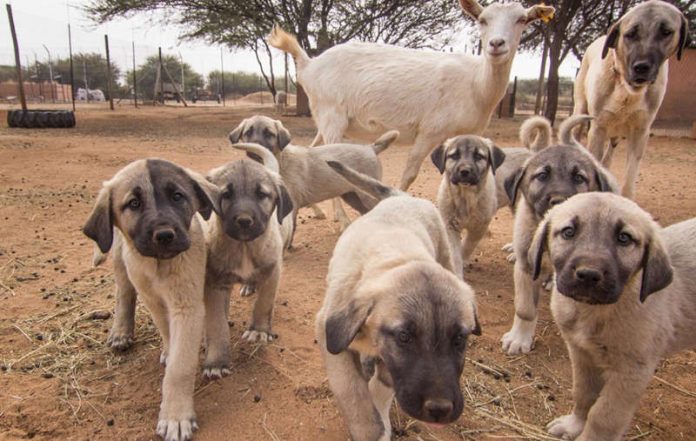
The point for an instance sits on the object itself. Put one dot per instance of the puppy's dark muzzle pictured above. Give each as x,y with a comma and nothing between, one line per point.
589,284
464,176
244,227
642,73
163,242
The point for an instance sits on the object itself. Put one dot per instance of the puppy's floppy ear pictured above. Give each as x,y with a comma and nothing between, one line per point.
683,37
612,37
284,204
477,325
512,184
344,323
207,193
605,180
496,156
537,248
657,269
438,157
100,224
283,135
236,134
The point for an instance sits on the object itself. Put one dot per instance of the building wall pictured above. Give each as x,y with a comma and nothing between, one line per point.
679,104
37,91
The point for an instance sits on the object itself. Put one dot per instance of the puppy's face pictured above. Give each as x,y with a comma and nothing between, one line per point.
249,194
261,130
555,174
152,203
599,242
418,324
466,159
644,38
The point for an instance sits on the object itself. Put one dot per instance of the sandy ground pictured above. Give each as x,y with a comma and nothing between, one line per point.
58,381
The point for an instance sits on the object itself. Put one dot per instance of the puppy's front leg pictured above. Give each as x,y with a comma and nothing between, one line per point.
260,328
177,418
123,328
217,331
471,241
520,339
597,141
455,244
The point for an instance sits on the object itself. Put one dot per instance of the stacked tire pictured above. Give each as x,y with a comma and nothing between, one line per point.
41,119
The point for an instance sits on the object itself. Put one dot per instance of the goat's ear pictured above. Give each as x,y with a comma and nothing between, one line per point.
512,184
612,37
496,156
236,134
438,157
284,203
540,12
472,8
683,37
283,135
343,324
100,224
537,248
657,269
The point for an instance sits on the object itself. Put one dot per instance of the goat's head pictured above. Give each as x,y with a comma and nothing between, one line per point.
502,25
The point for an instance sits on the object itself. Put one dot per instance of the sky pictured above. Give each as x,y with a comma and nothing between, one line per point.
42,30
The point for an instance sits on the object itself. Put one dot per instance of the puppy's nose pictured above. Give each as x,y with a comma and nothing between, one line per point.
497,43
464,172
438,409
244,221
641,67
555,200
164,236
589,276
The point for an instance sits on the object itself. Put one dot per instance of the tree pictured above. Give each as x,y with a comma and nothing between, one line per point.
90,68
241,83
146,75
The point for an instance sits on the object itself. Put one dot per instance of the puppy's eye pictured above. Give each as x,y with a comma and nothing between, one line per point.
177,196
454,155
404,337
579,179
632,35
541,177
624,239
249,133
134,204
568,233
479,157
666,32
261,194
267,133
459,341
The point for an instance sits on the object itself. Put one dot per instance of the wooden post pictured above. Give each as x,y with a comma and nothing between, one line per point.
18,65
72,72
108,73
135,80
159,76
222,77
287,92
542,73
176,88
513,98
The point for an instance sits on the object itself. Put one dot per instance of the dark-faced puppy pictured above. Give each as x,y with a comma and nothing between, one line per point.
624,298
467,195
147,211
546,179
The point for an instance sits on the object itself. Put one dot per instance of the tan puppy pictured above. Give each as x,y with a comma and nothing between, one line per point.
467,194
546,179
245,245
625,297
623,79
395,320
159,254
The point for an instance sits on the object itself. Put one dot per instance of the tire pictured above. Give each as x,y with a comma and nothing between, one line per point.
39,119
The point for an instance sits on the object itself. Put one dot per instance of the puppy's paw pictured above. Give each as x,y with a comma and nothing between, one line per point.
215,372
119,341
508,247
516,342
247,290
548,285
512,258
177,430
164,357
566,427
253,336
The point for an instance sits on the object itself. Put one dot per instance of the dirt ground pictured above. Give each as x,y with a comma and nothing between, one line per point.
59,381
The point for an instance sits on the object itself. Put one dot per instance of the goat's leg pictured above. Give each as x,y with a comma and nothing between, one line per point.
332,126
421,148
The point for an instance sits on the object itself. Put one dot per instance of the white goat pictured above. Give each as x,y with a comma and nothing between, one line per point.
428,97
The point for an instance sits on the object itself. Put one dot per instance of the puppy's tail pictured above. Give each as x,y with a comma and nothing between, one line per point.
364,183
535,133
565,131
385,141
262,152
98,257
280,39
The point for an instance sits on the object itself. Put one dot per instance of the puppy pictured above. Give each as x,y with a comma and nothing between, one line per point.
305,173
467,195
546,179
396,319
245,245
623,79
147,211
625,297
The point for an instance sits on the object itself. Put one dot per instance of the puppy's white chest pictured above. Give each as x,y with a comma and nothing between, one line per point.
245,270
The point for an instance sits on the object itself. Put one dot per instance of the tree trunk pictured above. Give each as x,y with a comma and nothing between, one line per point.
302,101
553,82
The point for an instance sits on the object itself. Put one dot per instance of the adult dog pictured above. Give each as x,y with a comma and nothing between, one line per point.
395,319
623,79
147,211
546,179
624,298
467,194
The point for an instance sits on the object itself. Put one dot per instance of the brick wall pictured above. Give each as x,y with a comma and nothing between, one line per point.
679,104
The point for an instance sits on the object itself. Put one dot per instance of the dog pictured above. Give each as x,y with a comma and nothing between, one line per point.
396,319
245,245
467,194
305,173
623,79
281,102
546,179
624,298
148,212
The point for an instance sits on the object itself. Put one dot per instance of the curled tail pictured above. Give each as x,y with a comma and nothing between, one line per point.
262,152
535,133
385,141
565,132
280,39
363,182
